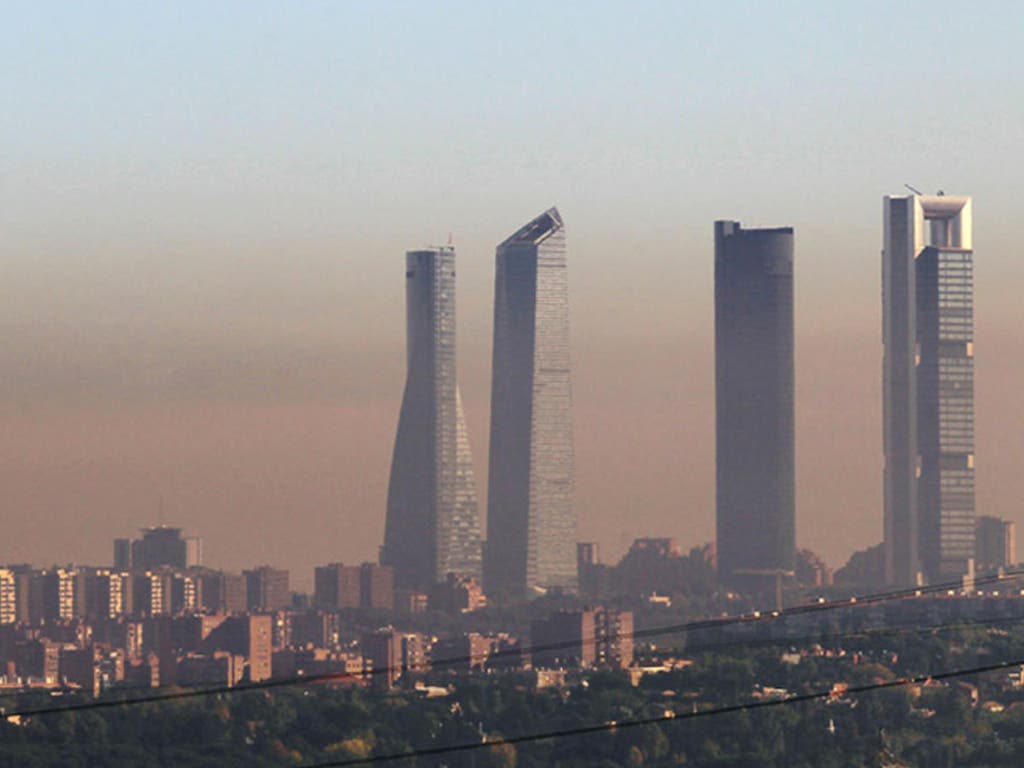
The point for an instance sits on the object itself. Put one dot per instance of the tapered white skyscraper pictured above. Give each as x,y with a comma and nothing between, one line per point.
433,520
531,517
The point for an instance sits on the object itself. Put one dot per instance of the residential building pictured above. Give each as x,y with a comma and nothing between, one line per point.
382,651
336,586
267,589
376,587
995,543
8,597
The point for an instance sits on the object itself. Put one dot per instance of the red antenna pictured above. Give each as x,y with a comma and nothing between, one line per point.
449,238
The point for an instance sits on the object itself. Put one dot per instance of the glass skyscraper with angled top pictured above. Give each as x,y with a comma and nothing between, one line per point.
928,387
531,516
754,441
433,519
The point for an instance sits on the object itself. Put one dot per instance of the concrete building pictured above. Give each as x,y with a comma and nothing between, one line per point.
613,638
463,653
433,518
8,597
151,592
995,543
376,587
382,651
928,387
267,589
63,594
105,592
221,592
456,594
159,546
601,637
248,636
219,668
354,586
754,409
335,586
564,639
531,514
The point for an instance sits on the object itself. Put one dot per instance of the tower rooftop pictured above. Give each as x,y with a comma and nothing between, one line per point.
536,231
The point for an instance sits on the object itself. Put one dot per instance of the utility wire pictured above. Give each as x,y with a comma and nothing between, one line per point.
701,624
337,677
822,637
619,724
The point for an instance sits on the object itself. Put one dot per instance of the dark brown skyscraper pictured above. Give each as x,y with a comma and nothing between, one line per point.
756,517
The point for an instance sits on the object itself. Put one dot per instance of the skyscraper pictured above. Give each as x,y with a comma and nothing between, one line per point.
433,521
928,387
531,518
754,448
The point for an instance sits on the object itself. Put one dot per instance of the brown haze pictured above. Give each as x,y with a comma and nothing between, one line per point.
252,399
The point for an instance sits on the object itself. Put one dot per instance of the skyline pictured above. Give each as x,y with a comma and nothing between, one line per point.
448,248
186,279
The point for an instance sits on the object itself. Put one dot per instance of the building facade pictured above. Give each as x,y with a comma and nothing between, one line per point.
531,514
754,410
433,517
8,597
159,546
335,586
267,589
995,543
928,387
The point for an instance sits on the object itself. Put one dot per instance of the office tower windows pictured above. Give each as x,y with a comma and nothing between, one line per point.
433,521
995,543
530,507
8,597
267,589
928,387
754,458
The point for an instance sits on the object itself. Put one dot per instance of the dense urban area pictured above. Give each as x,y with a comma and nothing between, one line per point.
257,674
597,561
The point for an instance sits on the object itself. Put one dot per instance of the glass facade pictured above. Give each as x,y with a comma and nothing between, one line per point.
433,520
945,419
531,512
928,385
754,409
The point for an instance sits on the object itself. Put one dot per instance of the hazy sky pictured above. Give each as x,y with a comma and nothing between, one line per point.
204,209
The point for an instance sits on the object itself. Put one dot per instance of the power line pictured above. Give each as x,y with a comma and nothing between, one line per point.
903,629
336,677
616,725
700,624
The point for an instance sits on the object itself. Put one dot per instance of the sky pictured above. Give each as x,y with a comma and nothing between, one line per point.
204,210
